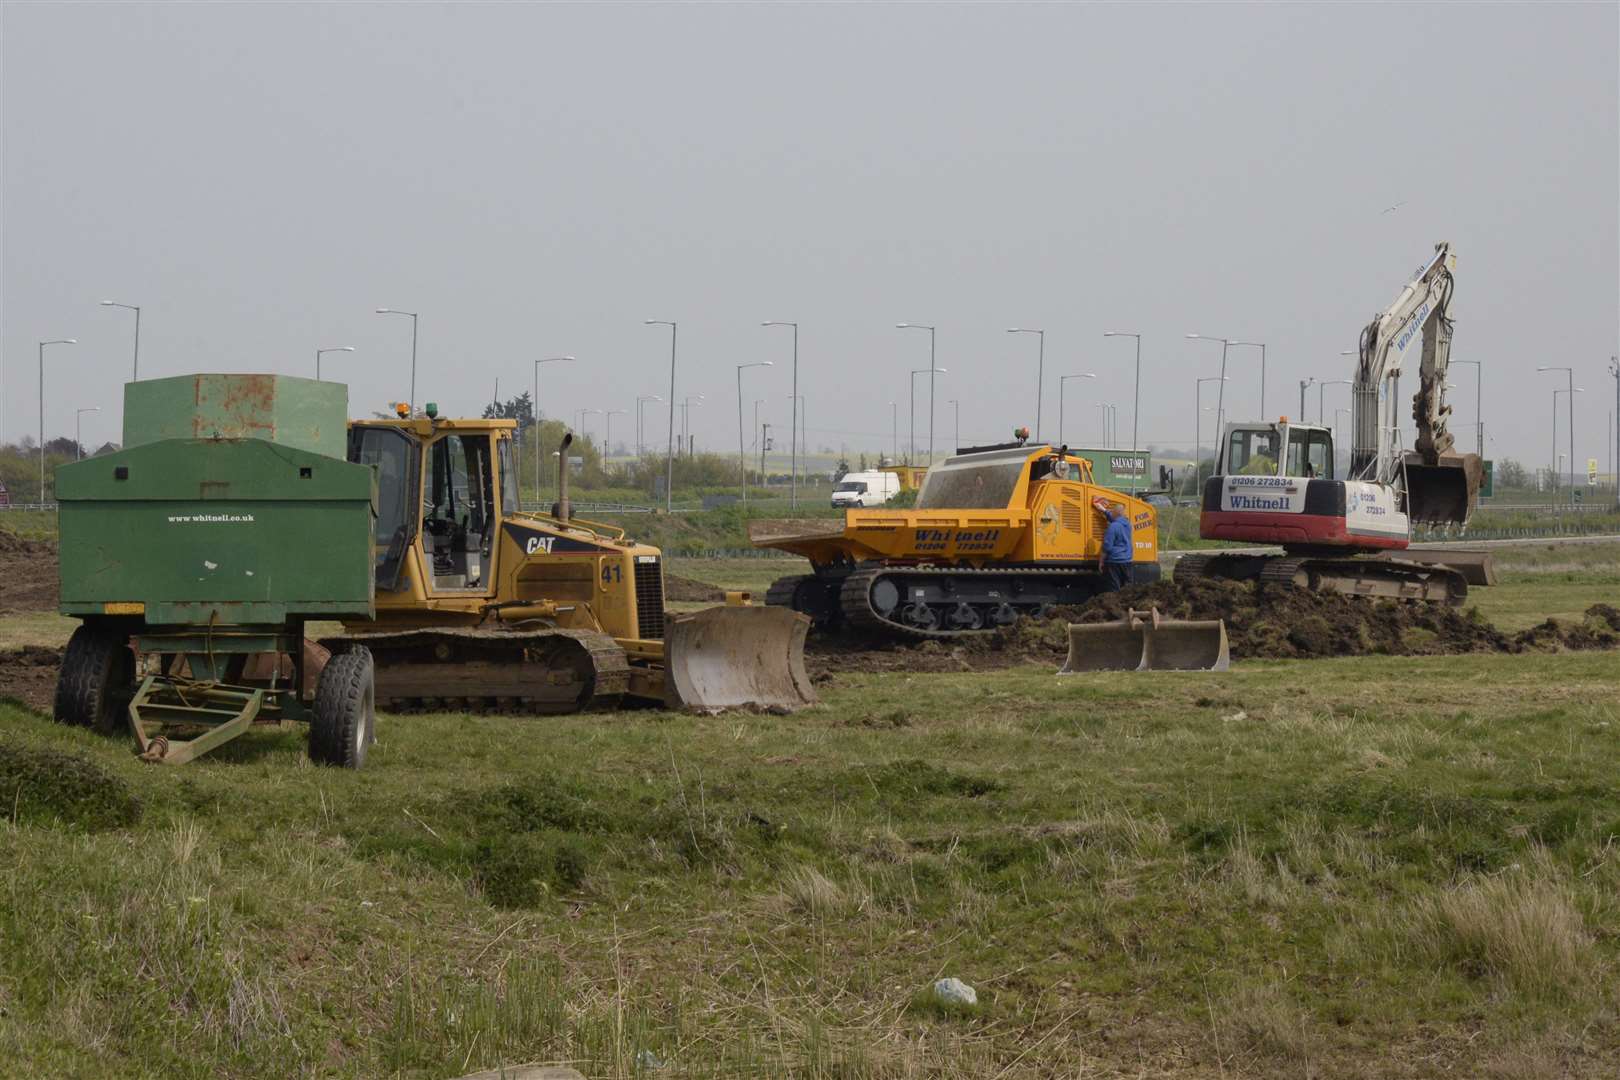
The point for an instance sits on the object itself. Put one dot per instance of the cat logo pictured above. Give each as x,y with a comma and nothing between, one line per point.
537,544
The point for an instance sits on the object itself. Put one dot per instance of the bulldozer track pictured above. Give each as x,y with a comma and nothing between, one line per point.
550,671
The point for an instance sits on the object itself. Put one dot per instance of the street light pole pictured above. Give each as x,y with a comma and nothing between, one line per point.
607,434
1220,396
539,472
320,352
135,375
910,457
641,423
412,314
742,459
669,452
1303,383
1198,426
1479,397
54,341
793,443
1262,347
1569,374
78,439
894,421
1061,380
932,370
1321,388
1136,401
1040,373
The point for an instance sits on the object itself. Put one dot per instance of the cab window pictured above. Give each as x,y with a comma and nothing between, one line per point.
509,479
456,520
1252,452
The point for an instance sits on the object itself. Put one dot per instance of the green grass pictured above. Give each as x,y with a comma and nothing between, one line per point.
1372,867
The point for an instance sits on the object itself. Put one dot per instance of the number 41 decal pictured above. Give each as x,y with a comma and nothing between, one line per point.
612,574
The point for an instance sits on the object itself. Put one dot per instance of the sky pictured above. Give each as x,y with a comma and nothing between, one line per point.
535,181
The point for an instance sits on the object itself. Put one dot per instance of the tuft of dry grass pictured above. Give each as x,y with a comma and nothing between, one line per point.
1521,930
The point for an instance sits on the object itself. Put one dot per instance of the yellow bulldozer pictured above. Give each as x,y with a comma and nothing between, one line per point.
998,532
481,606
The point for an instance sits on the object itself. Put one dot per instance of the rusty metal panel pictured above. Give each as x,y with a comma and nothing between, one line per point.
302,413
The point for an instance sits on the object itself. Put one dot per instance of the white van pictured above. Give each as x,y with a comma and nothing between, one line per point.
865,489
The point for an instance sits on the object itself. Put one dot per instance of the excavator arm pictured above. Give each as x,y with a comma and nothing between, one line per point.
1440,486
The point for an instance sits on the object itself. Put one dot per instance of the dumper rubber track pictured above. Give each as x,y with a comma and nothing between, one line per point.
548,670
809,594
1384,579
998,596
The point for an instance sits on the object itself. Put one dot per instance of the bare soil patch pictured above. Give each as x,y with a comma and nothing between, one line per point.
29,675
688,591
1262,622
27,574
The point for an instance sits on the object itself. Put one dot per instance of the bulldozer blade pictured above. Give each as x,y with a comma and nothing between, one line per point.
737,658
1142,641
1445,493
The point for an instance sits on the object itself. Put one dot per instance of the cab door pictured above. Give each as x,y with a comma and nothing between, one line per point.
392,454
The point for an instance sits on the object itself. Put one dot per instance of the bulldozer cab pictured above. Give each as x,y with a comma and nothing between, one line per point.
445,483
1280,449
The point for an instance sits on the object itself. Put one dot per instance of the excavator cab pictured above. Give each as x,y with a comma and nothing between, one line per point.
1281,449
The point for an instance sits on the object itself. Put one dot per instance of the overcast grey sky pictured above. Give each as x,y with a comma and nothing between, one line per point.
537,180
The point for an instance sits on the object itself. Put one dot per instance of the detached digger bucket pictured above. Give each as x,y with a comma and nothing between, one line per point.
1142,641
737,657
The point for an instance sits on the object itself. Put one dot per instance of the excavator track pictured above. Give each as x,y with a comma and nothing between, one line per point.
997,596
809,594
545,670
1381,578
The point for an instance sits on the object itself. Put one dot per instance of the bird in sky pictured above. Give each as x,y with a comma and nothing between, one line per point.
1392,209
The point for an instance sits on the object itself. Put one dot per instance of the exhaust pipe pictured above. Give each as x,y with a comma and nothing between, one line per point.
559,510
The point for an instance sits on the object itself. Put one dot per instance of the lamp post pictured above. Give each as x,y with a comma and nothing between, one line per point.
1220,397
583,413
914,373
1103,405
1040,373
539,473
1303,383
78,440
1336,414
1321,388
607,432
1569,374
1198,424
1479,397
641,400
793,442
669,452
932,370
1136,400
135,374
412,314
686,417
332,348
742,459
1572,391
53,341
1262,347
1061,380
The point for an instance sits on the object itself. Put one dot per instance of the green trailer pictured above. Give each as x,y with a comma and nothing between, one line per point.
194,556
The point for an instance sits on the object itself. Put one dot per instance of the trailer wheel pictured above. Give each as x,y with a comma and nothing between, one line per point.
345,718
96,682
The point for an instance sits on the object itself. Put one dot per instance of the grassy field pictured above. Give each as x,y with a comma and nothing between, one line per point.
1374,867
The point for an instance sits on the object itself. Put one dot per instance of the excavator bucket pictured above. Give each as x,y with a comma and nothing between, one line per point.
1142,641
1445,493
737,657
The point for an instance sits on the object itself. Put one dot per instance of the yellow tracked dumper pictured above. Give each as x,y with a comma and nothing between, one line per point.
998,532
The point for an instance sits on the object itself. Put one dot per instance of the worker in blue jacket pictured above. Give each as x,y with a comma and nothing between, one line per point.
1114,560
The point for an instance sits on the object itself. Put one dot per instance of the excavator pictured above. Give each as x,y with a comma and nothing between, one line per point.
481,606
1275,483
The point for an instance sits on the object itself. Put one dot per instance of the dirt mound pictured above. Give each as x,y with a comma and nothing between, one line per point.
27,574
687,590
29,674
1262,622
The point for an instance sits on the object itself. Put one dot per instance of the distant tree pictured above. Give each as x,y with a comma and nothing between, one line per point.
863,463
1511,474
520,408
62,447
840,472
